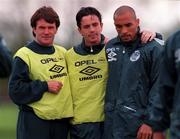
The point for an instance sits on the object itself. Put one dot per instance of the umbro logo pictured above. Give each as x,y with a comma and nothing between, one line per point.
112,54
89,70
56,68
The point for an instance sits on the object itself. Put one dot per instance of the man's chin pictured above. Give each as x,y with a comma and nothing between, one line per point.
95,42
46,43
126,39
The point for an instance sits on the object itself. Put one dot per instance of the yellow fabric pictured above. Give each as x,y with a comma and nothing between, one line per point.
88,76
46,67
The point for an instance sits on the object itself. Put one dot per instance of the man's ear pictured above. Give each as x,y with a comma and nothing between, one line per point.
56,30
101,26
79,29
33,31
137,21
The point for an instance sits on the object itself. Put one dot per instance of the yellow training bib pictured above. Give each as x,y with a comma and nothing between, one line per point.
88,76
47,67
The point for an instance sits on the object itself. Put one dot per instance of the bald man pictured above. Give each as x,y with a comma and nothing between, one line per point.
132,79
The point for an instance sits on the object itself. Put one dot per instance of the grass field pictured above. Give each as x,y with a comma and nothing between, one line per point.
8,118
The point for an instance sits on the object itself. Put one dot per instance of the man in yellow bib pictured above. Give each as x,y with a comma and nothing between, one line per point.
39,83
87,67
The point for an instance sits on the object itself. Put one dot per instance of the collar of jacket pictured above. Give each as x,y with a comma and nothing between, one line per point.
40,49
94,49
132,44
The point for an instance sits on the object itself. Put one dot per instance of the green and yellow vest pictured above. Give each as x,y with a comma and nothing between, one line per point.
46,67
88,76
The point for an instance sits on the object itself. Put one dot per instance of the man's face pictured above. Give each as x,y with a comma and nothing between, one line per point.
126,26
91,29
45,32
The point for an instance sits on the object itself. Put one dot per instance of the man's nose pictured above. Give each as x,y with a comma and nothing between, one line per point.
46,30
92,28
124,30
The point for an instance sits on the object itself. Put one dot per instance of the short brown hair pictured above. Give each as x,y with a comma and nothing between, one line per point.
46,13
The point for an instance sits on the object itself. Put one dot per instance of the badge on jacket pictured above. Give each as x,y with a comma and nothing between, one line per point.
135,56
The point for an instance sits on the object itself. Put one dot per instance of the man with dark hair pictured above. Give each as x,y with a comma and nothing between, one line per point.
87,67
132,79
5,59
39,83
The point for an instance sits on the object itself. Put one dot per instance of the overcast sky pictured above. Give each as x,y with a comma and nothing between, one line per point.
156,15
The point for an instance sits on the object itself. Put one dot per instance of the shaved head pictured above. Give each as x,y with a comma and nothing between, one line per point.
126,23
124,9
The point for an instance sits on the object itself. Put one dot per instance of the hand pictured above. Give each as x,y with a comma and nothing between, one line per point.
158,135
54,86
145,132
147,36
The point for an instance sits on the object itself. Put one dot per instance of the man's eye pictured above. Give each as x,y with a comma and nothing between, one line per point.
128,25
118,26
95,24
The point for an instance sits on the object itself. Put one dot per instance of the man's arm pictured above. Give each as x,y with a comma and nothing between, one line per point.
170,83
22,90
145,131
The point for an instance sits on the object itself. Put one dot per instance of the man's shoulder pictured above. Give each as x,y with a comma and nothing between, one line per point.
74,48
59,47
155,43
23,49
175,37
176,34
154,46
79,49
69,51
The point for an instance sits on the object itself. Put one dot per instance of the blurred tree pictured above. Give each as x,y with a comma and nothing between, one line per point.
13,26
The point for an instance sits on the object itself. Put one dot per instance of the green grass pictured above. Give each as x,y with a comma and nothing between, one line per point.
8,118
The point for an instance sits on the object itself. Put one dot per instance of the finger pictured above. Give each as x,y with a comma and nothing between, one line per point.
142,35
143,136
151,136
139,135
148,136
147,37
152,37
61,84
56,89
144,38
